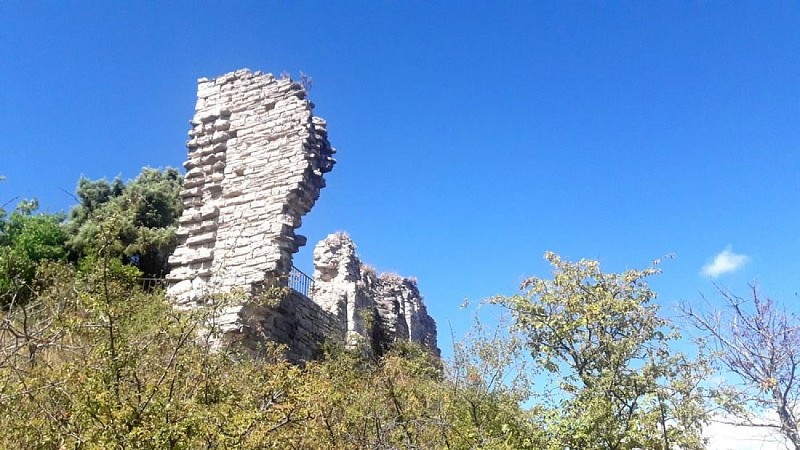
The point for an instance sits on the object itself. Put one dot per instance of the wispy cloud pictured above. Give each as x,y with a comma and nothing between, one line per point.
726,261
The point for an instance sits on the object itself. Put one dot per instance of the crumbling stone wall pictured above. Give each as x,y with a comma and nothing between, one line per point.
385,307
339,286
402,313
293,320
257,157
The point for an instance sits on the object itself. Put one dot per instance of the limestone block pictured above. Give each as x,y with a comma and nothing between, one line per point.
249,147
220,136
179,288
190,183
199,284
194,173
202,238
199,255
209,212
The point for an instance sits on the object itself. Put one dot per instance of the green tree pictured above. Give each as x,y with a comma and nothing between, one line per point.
26,239
93,362
492,378
614,381
145,212
403,399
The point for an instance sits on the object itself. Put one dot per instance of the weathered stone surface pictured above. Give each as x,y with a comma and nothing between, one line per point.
238,118
339,287
355,294
295,321
255,166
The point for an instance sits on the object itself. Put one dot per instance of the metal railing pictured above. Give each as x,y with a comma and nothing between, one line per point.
151,284
300,282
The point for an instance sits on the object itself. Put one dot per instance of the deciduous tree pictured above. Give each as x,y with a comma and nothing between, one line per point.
757,344
616,383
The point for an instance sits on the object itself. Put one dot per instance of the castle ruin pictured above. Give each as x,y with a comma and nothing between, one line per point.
257,157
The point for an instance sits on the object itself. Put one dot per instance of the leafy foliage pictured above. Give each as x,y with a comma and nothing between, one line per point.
491,380
93,362
90,360
96,363
617,384
145,213
26,239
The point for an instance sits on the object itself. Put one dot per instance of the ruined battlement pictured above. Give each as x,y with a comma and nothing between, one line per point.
387,307
257,157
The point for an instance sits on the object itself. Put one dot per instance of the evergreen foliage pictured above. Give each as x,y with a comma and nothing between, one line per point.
145,213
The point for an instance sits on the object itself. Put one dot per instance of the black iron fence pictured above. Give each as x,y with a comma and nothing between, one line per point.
151,284
300,282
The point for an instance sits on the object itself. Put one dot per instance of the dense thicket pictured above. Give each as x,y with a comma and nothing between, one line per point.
582,360
92,361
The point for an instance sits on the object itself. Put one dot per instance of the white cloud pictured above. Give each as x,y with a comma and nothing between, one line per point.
726,261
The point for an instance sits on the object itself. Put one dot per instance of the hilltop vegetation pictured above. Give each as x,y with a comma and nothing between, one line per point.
91,360
133,223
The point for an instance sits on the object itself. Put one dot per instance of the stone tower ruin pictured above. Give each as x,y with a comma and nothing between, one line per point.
257,156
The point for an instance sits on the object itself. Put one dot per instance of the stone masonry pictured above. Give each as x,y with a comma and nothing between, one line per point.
256,160
257,156
387,307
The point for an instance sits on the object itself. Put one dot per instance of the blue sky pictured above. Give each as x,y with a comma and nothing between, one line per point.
471,139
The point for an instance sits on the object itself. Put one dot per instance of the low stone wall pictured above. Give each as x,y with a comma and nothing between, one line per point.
293,320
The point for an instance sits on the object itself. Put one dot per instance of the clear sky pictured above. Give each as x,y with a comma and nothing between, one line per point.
471,138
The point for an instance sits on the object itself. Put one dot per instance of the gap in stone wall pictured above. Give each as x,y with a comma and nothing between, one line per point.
314,230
